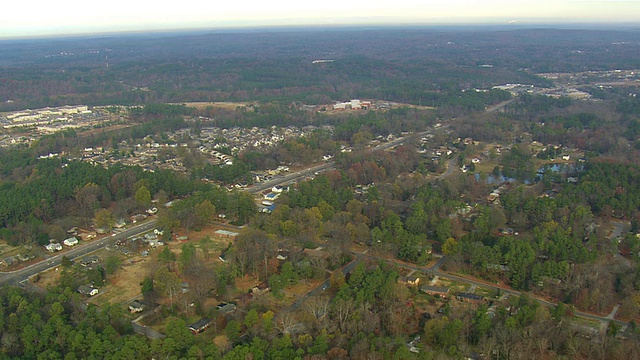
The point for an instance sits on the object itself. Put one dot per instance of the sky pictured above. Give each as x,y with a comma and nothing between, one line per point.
38,18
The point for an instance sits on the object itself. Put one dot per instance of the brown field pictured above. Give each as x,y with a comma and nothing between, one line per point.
47,278
125,285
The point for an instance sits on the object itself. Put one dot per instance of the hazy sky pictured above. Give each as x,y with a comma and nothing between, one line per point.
51,17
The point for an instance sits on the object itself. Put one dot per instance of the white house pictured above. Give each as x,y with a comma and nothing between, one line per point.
87,290
71,241
155,242
52,247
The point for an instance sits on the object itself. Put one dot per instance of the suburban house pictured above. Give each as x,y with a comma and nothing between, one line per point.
150,236
409,280
441,291
10,260
260,289
52,247
87,290
138,217
155,242
136,307
88,260
184,287
200,325
24,257
226,308
226,234
317,253
71,241
469,298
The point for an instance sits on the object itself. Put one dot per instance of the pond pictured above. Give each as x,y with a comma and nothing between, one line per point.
562,169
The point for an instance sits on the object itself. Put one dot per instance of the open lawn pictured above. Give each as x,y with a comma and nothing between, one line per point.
217,245
124,285
293,292
47,278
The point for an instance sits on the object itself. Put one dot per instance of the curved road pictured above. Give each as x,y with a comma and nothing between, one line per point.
435,270
451,165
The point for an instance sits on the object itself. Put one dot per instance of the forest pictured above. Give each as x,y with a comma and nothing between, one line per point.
277,66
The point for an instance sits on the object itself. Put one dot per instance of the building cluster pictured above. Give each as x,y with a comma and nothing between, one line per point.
33,124
555,92
212,143
238,139
354,104
50,120
599,78
566,84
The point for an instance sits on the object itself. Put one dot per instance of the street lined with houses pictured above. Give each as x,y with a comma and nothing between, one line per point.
17,276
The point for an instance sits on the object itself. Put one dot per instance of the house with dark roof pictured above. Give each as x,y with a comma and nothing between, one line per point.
226,308
441,291
88,260
260,289
469,298
200,325
53,246
136,307
87,290
409,280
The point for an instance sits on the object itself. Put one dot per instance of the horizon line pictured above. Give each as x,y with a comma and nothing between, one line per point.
514,24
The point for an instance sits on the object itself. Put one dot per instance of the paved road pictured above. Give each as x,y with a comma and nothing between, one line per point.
17,276
147,331
264,185
324,286
282,180
451,165
499,106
